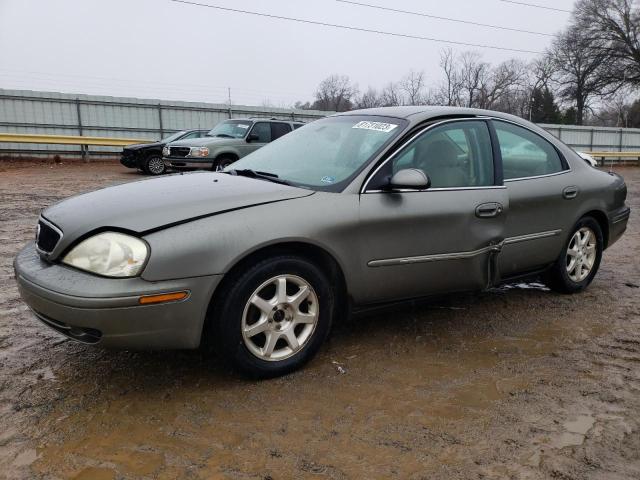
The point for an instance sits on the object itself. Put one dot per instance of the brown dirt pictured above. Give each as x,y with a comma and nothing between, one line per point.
511,383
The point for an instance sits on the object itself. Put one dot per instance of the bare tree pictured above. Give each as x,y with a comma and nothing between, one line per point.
413,85
369,99
581,69
391,95
335,93
614,26
473,75
499,83
449,92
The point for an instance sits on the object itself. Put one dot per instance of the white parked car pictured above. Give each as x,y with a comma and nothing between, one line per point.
588,158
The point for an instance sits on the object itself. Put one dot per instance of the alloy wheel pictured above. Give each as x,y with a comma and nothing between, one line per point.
155,166
581,254
280,317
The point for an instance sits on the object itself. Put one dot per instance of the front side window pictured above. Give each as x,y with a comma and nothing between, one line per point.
263,132
456,154
279,130
231,129
525,154
325,154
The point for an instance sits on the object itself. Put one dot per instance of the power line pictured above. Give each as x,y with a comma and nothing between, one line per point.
535,5
448,19
358,29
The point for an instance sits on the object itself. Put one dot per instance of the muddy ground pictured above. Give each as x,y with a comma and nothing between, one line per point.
511,383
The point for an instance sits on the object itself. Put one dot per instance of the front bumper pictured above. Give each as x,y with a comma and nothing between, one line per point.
178,163
129,161
106,311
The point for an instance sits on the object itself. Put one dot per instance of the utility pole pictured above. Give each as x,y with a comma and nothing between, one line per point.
229,93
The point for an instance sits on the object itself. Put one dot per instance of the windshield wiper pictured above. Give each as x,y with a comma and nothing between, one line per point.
247,172
224,135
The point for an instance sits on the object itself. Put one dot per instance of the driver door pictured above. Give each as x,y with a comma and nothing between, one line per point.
441,239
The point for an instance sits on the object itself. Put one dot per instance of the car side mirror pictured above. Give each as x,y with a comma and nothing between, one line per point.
409,178
252,137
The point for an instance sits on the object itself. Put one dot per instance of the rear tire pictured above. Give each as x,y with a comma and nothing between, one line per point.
153,165
272,318
580,259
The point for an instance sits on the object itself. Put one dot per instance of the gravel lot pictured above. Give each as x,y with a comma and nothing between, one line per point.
517,382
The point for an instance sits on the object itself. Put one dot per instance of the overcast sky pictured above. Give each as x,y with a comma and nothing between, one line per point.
173,51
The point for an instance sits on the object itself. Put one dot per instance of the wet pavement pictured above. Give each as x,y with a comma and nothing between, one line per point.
517,382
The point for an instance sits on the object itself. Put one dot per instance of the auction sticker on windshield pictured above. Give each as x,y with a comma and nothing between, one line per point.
377,126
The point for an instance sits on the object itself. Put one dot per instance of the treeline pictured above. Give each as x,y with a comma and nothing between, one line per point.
589,75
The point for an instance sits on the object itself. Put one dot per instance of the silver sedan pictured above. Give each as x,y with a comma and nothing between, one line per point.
360,208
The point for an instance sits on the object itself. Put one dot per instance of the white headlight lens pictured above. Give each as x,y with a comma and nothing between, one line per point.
165,152
110,253
199,152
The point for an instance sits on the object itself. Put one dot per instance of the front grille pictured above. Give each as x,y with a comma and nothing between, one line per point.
179,151
47,237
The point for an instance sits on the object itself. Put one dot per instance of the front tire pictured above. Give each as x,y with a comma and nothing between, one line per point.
154,165
223,162
580,259
273,318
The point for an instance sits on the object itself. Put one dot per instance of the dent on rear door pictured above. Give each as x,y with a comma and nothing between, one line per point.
538,222
422,243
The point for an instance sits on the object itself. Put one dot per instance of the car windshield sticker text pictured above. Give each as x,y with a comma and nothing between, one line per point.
328,179
377,126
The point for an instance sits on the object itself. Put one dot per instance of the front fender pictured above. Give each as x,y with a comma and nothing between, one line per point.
215,244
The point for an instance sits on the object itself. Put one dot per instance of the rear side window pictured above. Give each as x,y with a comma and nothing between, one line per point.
525,154
297,125
279,129
457,154
263,131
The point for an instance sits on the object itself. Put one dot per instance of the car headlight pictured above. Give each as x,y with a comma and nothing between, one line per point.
199,152
165,152
110,254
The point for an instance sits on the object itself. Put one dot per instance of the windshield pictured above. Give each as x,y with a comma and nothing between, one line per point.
325,154
231,129
174,136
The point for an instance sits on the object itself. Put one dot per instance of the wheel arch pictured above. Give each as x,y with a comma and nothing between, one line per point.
227,154
309,251
602,219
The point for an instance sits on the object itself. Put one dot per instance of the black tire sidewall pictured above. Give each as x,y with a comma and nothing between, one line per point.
227,318
223,162
559,277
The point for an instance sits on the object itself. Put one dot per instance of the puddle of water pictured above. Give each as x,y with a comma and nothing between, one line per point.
580,425
25,458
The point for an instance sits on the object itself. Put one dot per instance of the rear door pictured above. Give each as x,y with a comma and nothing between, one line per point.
279,129
539,184
443,238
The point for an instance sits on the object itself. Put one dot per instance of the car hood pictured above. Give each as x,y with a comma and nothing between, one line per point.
138,146
204,141
158,203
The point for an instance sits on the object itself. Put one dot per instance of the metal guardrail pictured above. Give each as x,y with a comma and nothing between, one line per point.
601,156
69,140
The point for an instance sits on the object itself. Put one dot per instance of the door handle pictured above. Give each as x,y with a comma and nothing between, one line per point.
488,210
570,192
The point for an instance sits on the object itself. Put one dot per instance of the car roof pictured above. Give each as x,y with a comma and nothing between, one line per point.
262,119
418,114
